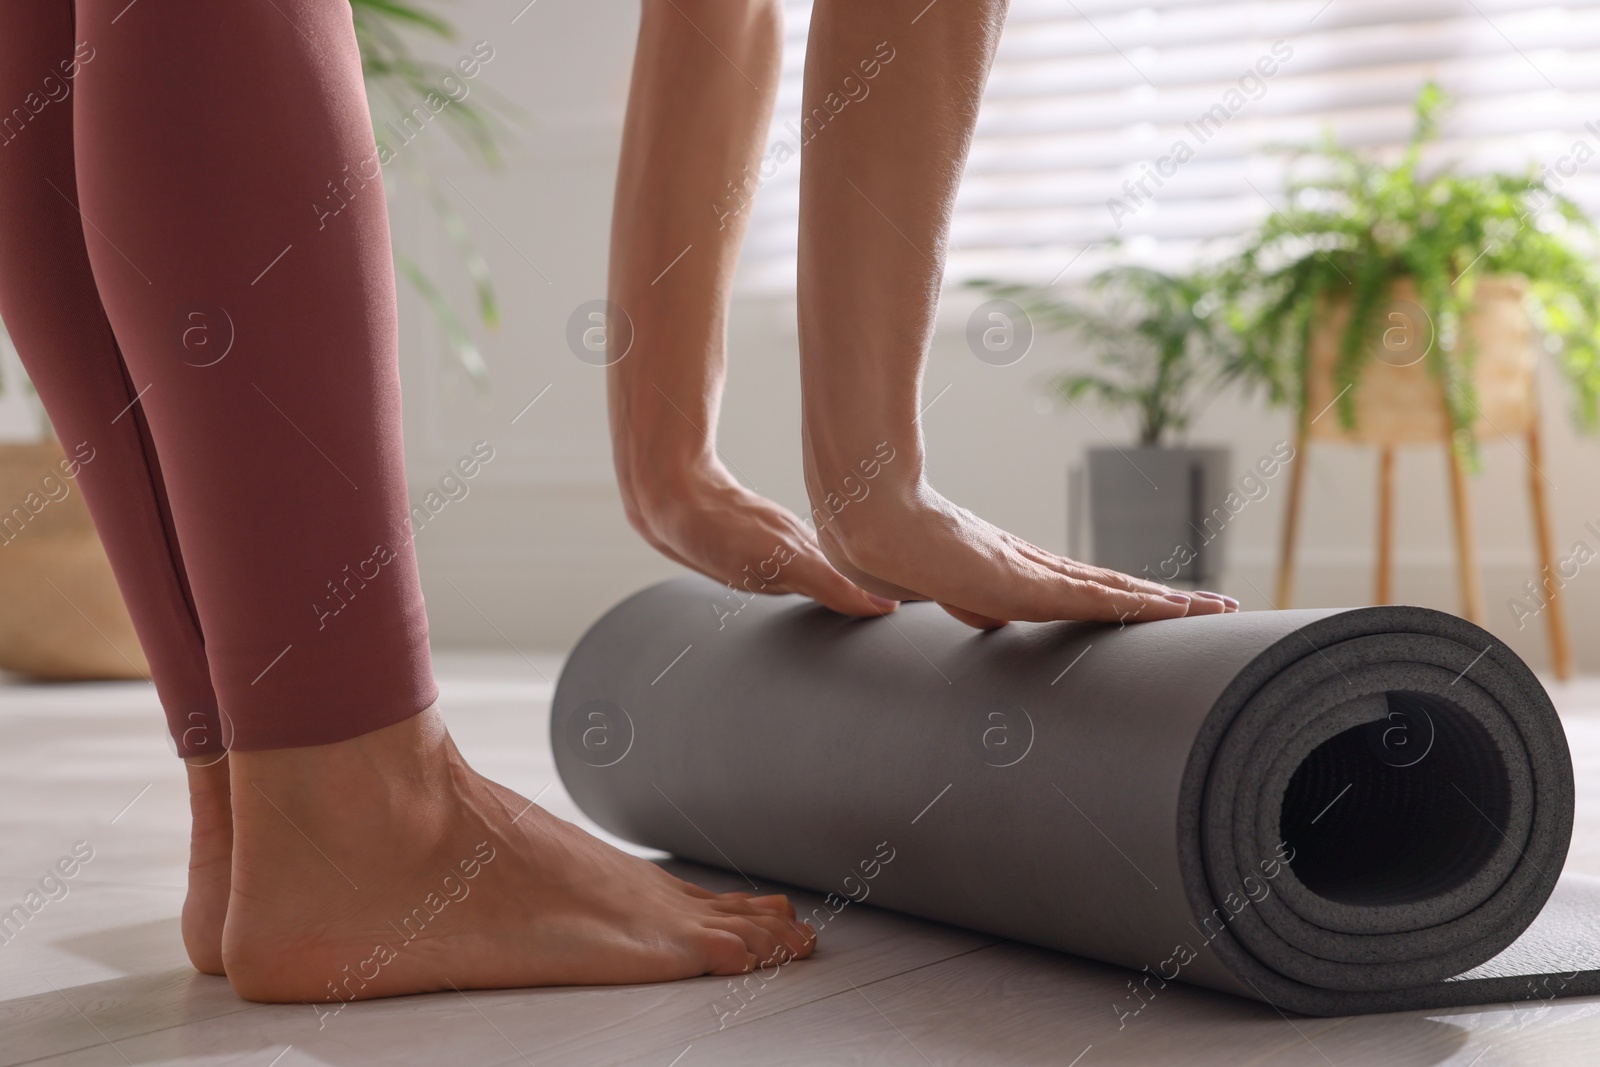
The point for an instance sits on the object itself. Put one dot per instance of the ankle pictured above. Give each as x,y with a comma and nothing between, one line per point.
411,748
340,786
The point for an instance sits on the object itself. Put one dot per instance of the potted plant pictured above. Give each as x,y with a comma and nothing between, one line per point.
63,616
1408,298
1157,345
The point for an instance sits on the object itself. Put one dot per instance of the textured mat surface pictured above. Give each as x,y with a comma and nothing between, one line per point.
1332,811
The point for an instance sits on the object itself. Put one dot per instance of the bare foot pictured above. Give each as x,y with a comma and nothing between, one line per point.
916,545
210,861
385,865
710,523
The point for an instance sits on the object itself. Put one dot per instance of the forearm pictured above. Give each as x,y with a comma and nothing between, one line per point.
879,184
704,79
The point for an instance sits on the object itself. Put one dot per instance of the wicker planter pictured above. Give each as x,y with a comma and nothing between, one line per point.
1398,401
61,615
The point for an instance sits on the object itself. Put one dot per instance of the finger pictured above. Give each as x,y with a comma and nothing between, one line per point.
1049,596
1103,575
1232,604
1076,598
1121,580
1202,603
1119,605
1203,600
1205,605
973,619
812,575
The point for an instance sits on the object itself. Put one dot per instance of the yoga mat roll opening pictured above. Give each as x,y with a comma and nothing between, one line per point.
1333,811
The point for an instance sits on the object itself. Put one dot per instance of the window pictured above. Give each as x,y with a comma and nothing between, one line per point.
1090,98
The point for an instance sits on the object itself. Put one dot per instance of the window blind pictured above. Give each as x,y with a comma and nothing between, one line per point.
1154,126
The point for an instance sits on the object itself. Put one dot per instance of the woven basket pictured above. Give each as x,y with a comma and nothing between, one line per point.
61,615
1398,401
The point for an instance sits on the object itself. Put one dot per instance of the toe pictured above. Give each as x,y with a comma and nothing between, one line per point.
724,953
797,937
742,905
764,943
773,902
748,904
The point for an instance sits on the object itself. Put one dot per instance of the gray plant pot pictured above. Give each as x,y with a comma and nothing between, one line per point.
1159,513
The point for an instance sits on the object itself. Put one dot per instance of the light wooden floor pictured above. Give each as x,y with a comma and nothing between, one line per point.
99,976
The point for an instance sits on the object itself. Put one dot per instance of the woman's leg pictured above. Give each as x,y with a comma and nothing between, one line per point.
52,309
255,311
878,183
227,170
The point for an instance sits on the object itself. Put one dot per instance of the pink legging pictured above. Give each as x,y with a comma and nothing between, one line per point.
197,321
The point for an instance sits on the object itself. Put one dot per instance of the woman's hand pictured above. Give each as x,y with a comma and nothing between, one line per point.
707,521
909,542
877,195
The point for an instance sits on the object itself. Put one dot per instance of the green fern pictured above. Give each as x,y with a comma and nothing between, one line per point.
1356,226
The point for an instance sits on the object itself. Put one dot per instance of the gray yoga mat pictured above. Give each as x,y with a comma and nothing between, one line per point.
1334,811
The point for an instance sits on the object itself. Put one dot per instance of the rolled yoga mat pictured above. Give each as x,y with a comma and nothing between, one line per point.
1334,811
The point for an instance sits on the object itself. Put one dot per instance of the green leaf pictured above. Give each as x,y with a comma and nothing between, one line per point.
455,331
371,12
1355,225
477,268
1162,342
